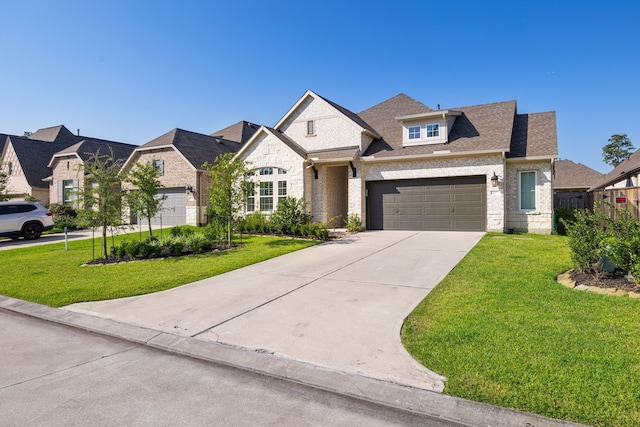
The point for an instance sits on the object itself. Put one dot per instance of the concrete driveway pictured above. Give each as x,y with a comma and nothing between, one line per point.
338,305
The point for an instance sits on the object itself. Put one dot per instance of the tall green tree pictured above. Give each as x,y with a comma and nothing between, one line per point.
102,194
617,150
143,198
3,184
228,189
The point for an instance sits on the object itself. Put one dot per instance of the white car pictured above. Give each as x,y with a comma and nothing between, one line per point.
26,219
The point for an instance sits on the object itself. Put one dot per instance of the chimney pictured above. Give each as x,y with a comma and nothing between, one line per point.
78,132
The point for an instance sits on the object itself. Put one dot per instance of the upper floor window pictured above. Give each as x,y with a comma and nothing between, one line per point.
433,130
266,171
159,164
10,168
414,132
527,190
310,129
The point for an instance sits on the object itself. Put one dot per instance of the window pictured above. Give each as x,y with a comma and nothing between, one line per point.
10,168
69,191
414,132
282,171
266,196
433,131
251,198
282,190
159,164
310,128
266,171
527,191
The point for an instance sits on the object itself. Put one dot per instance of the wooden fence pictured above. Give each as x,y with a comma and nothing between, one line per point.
621,198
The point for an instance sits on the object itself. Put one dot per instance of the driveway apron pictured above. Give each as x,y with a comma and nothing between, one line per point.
338,305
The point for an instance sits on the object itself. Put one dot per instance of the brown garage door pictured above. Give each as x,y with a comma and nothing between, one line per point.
456,204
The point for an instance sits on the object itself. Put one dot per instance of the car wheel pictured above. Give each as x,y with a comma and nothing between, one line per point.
32,231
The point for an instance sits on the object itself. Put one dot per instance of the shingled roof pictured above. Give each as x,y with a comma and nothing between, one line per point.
570,175
89,146
240,132
34,157
58,134
624,170
479,128
195,147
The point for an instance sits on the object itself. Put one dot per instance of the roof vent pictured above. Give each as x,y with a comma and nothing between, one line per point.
438,106
79,129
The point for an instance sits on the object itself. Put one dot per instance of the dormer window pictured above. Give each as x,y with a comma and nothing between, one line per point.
414,132
433,131
427,128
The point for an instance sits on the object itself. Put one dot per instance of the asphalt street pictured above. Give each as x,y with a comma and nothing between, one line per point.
54,375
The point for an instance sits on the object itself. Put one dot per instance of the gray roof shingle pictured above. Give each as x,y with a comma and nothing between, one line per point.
570,175
239,132
534,135
195,147
88,146
625,169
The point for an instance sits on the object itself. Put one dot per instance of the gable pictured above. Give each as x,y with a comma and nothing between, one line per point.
330,128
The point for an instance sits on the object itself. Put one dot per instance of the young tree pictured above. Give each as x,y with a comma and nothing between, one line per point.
142,199
228,189
3,184
102,193
617,150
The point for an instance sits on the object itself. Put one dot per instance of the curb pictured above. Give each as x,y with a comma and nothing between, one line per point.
414,400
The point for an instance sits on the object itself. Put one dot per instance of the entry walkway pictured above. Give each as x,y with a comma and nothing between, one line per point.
338,305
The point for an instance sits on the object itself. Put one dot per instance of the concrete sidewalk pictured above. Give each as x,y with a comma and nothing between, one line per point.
338,305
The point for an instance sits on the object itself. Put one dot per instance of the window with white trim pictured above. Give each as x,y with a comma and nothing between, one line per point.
272,187
310,129
251,198
266,196
527,190
433,131
159,164
414,132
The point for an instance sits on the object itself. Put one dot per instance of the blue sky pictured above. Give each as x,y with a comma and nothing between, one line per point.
130,71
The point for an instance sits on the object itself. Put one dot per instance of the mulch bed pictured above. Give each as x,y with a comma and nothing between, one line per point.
163,255
606,280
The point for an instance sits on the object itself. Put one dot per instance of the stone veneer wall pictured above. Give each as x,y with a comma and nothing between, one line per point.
65,168
269,151
177,174
541,220
332,130
444,167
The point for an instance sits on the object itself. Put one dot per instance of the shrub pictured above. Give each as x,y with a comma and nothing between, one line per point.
623,242
121,250
175,248
255,222
354,223
586,237
316,230
146,250
132,248
175,231
289,216
198,242
215,233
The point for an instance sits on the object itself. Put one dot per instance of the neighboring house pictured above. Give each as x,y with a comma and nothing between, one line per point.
571,182
67,166
401,165
240,132
180,155
621,186
25,161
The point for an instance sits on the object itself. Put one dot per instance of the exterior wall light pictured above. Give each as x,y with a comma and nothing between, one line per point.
494,180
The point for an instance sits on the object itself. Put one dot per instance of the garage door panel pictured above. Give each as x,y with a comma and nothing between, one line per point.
428,204
174,210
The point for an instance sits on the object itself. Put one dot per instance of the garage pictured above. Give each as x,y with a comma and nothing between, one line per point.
434,204
174,210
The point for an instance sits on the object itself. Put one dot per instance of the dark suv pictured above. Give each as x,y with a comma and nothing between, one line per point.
26,219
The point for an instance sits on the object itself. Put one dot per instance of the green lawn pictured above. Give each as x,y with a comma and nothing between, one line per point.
50,275
504,332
